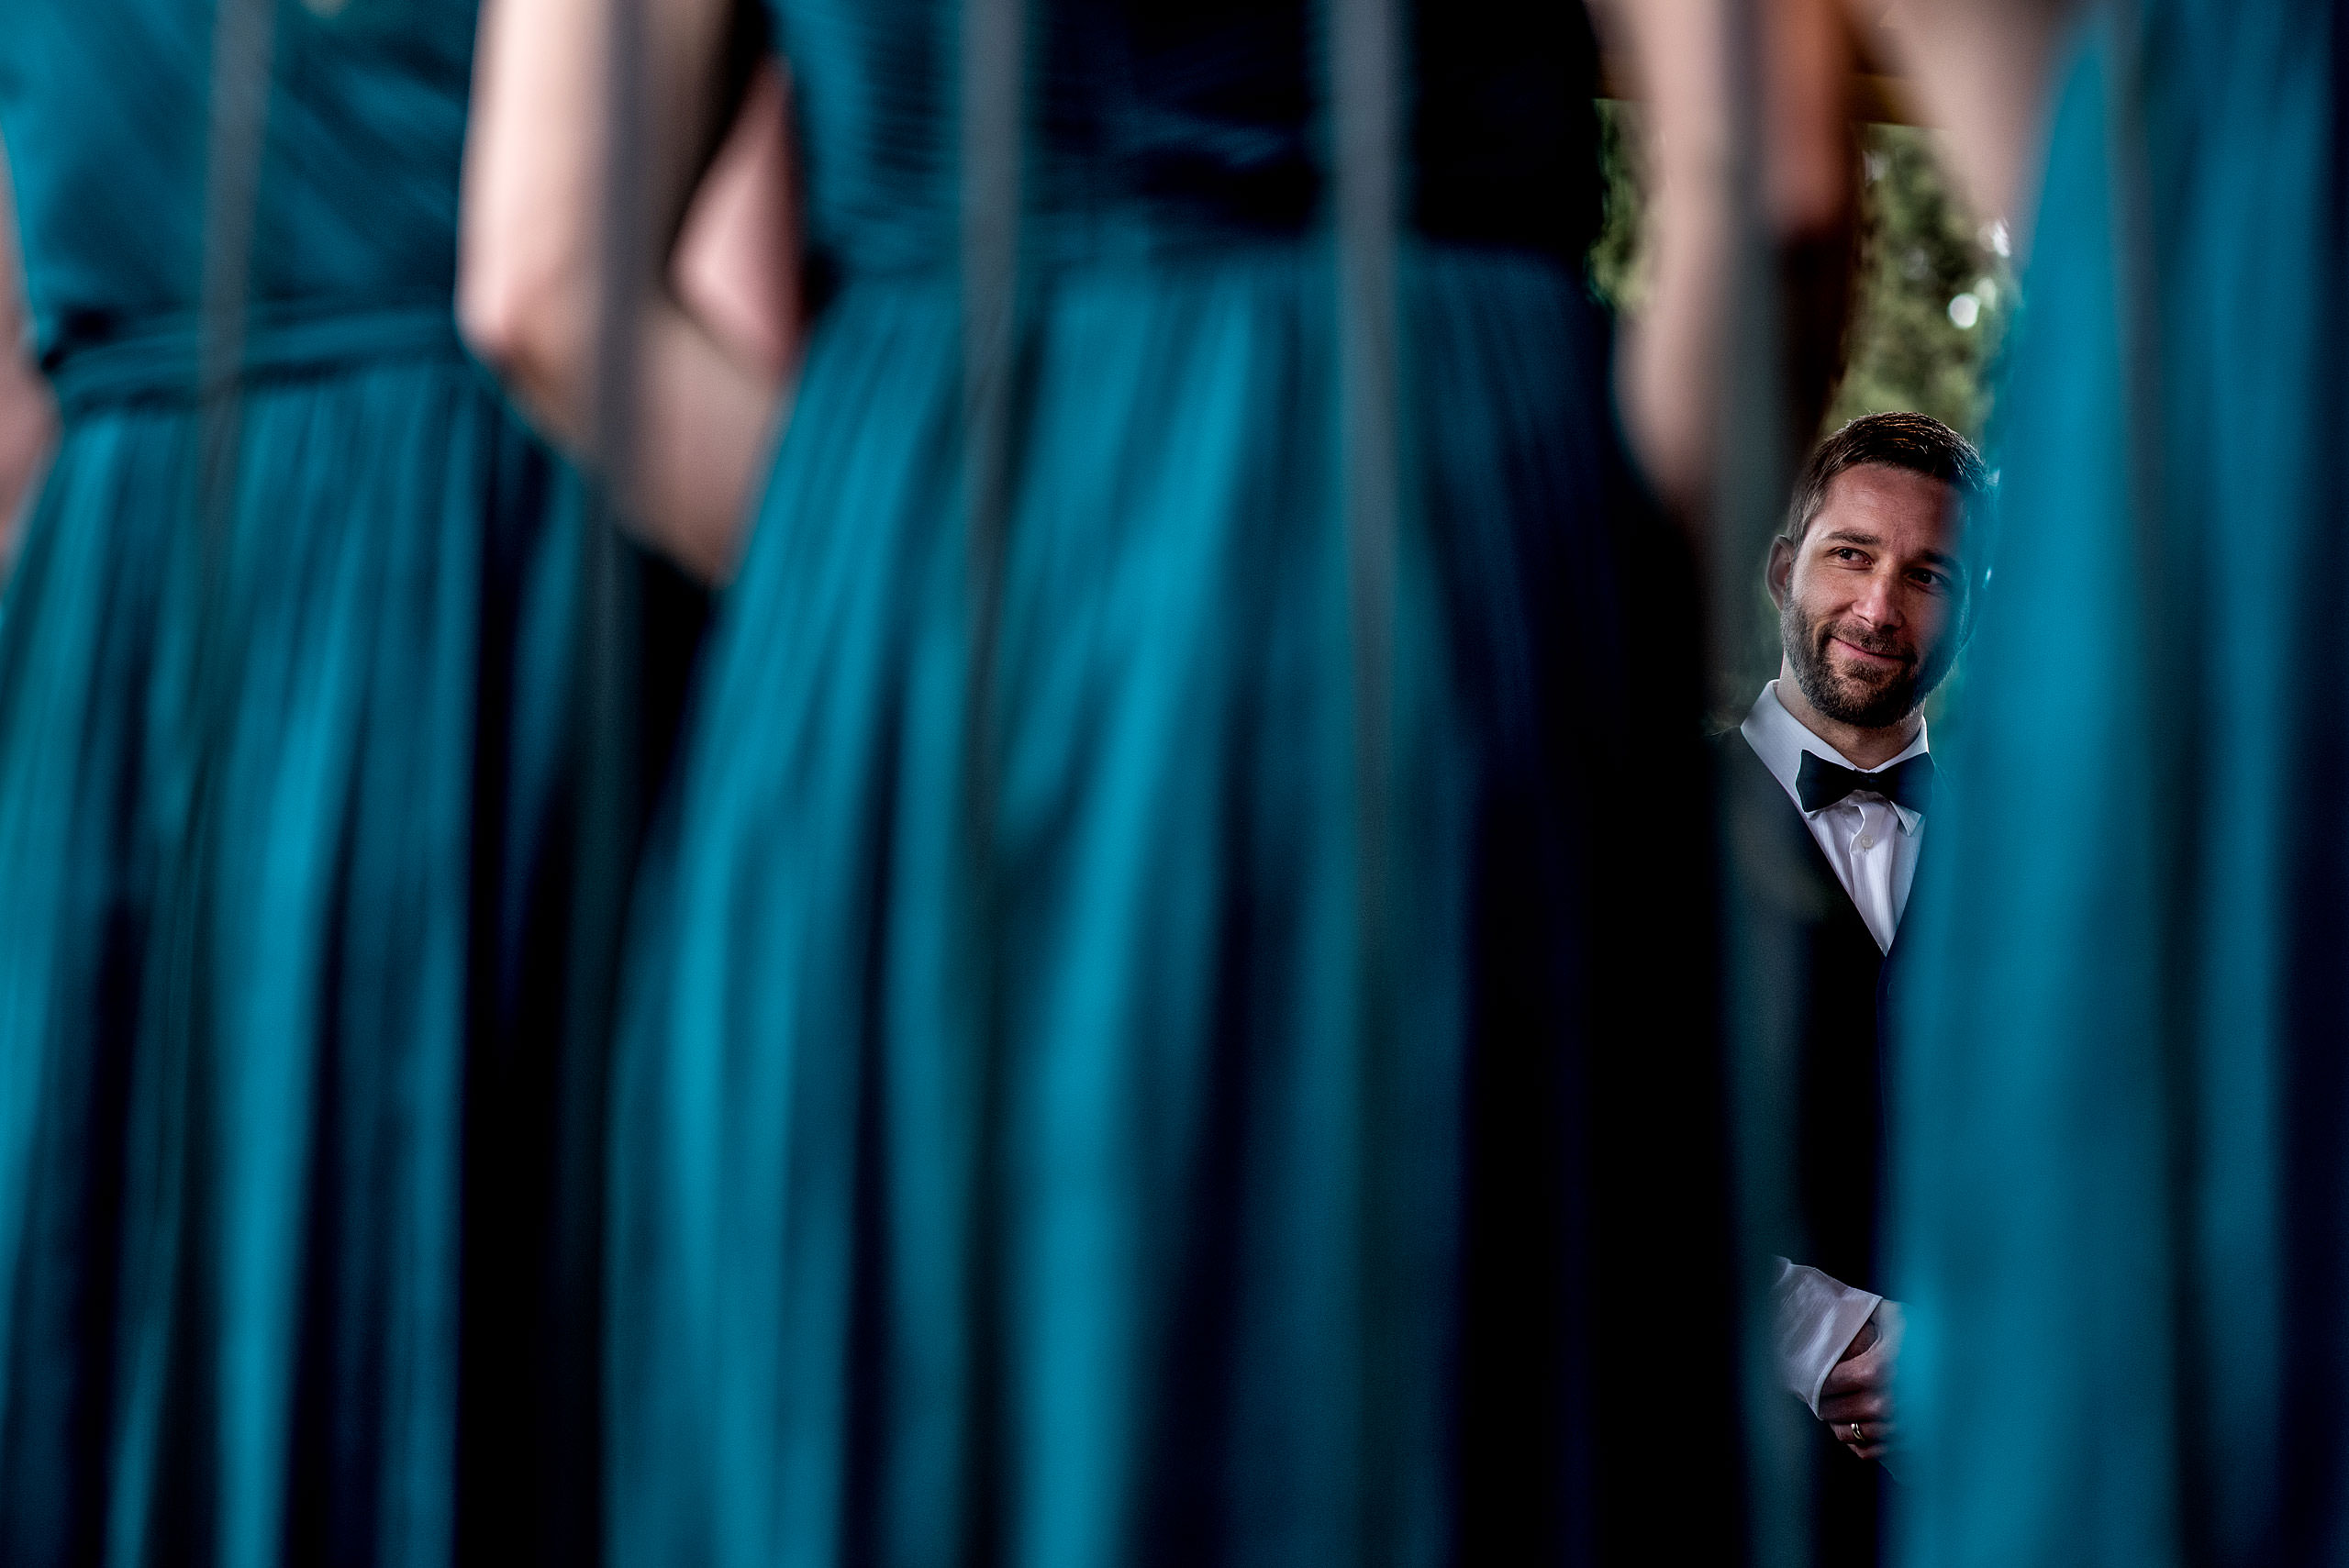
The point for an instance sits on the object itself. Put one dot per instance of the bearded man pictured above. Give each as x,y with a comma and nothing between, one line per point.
1830,785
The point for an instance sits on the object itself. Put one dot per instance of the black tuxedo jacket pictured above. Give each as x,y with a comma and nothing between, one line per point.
1818,991
1811,963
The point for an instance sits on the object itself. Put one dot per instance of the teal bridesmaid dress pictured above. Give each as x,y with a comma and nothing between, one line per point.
1023,1168
2122,1194
279,722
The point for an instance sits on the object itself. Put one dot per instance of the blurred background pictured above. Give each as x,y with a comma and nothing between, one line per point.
1933,292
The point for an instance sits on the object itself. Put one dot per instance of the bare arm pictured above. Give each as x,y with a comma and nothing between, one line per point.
1679,55
733,268
26,419
1677,50
1981,69
530,280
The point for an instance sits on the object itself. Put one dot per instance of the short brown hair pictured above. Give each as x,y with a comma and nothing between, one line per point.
1917,442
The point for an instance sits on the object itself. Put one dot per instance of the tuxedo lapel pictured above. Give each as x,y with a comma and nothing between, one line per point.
1815,999
1774,839
1812,969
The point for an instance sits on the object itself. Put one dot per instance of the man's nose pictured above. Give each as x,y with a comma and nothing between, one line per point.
1879,600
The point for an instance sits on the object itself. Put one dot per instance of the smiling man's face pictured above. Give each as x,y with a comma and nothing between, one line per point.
1869,597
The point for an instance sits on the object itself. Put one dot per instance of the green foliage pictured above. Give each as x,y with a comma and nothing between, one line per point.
1619,256
1932,295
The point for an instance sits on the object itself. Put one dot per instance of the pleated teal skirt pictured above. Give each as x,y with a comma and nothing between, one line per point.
264,766
1063,1201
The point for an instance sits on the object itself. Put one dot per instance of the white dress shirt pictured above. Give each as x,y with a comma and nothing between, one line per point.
1815,1315
1872,842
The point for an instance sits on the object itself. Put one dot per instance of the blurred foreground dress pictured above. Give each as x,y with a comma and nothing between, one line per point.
2124,1200
1051,1193
260,772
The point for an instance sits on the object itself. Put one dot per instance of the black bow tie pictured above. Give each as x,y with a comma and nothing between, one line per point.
1820,783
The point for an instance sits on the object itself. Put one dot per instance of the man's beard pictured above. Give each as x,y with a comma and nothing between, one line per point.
1841,698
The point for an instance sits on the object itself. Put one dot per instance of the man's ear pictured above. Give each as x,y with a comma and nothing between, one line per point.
1779,575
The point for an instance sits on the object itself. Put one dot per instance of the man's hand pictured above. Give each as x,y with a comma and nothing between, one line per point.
1857,1399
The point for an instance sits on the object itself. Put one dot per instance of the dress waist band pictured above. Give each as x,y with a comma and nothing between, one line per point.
162,357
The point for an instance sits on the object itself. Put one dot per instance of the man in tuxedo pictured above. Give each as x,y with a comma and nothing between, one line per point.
1830,784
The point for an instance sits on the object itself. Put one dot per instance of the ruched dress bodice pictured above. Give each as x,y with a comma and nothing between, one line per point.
1157,127
353,219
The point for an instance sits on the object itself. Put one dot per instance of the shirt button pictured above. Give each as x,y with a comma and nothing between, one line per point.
1865,841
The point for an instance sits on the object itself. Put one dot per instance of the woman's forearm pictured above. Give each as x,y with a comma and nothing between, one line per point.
706,415
28,418
1670,365
533,273
528,248
1766,164
1981,69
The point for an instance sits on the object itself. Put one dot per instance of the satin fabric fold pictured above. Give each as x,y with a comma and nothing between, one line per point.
1040,1200
2120,1093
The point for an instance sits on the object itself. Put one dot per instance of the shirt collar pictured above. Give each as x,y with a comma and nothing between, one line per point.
1779,739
